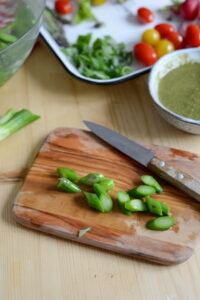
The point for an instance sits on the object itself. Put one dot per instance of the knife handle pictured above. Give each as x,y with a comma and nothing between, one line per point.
176,177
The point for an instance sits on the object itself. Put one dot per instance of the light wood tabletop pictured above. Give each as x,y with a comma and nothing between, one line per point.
35,266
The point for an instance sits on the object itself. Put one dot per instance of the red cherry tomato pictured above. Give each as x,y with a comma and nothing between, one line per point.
176,39
63,7
164,29
145,15
192,37
145,54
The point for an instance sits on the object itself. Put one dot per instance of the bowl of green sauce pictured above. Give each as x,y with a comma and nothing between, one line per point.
20,22
174,85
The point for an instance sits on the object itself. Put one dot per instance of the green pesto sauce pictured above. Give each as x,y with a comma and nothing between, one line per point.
179,90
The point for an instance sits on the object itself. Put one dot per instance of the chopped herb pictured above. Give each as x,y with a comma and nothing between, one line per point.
82,232
104,59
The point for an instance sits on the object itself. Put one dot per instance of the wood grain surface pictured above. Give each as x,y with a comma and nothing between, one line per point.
39,205
39,266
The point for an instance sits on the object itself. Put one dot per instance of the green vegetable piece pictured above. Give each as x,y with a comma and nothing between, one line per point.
94,202
84,12
98,189
107,184
67,173
165,209
161,223
107,202
68,186
82,232
7,116
154,206
91,179
149,180
7,27
3,45
122,198
19,120
136,205
7,38
104,59
142,191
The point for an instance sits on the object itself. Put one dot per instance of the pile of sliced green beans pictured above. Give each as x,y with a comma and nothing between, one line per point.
6,38
100,200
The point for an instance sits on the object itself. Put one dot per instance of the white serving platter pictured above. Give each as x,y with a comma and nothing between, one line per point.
121,23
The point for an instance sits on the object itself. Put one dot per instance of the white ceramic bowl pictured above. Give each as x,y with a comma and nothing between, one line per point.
159,70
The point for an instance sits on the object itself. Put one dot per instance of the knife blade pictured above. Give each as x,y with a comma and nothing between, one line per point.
147,158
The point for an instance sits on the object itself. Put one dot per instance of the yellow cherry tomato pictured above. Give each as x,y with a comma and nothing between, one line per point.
163,47
151,36
98,2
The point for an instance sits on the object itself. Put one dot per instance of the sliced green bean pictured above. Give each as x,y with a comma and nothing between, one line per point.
165,209
142,191
107,184
7,38
67,173
149,180
98,189
94,202
106,201
91,179
136,205
161,223
68,186
154,206
122,198
7,27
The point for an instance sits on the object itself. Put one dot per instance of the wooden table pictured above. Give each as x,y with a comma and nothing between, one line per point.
35,266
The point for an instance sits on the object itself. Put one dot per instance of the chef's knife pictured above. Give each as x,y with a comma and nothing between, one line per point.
147,158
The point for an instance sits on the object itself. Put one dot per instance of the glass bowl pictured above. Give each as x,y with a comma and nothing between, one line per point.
27,15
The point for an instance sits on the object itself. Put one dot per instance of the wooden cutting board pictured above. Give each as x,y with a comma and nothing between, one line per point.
39,205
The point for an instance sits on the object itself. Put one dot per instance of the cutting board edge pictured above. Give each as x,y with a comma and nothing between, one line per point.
179,257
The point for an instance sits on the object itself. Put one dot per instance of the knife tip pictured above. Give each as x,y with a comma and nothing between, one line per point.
87,123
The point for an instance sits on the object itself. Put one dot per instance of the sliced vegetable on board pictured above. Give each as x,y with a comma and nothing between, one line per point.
67,185
161,223
94,202
67,173
136,205
154,206
142,191
104,197
107,184
151,181
122,198
91,179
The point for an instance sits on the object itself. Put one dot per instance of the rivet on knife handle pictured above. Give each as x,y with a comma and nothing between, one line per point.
176,177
